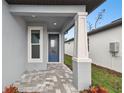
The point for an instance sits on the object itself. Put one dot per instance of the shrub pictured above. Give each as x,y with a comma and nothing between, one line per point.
102,90
95,89
11,89
85,91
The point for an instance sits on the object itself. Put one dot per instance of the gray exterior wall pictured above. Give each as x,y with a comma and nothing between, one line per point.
43,65
14,46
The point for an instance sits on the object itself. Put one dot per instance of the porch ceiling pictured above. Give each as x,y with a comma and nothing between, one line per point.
53,23
90,4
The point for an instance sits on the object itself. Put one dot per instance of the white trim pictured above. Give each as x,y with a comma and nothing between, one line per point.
64,10
30,60
53,32
59,47
54,62
81,59
62,47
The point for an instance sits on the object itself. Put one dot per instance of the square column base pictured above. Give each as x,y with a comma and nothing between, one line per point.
81,75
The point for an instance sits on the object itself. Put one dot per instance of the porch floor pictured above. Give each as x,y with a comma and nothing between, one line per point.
56,79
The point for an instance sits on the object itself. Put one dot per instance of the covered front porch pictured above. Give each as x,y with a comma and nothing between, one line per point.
56,79
44,49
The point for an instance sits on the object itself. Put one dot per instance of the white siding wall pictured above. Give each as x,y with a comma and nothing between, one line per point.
69,48
14,46
99,48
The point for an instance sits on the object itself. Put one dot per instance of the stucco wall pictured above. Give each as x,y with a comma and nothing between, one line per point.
43,65
14,46
99,48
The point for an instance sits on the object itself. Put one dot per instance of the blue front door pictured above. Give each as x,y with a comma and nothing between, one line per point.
53,48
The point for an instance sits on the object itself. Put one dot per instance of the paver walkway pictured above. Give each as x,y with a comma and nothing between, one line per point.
56,79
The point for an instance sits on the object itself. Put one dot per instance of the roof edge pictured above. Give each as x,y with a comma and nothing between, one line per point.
69,40
113,24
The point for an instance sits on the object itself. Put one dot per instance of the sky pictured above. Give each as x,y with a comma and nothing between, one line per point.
113,11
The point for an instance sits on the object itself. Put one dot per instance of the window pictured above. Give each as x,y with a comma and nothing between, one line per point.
35,44
52,43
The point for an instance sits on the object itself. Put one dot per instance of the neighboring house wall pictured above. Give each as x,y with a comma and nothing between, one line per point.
14,46
69,48
99,48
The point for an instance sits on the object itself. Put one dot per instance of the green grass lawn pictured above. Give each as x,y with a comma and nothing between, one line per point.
102,77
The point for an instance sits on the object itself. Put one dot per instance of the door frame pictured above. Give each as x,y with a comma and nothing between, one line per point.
59,47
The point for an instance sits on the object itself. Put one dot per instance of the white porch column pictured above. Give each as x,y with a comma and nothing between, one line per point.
81,61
